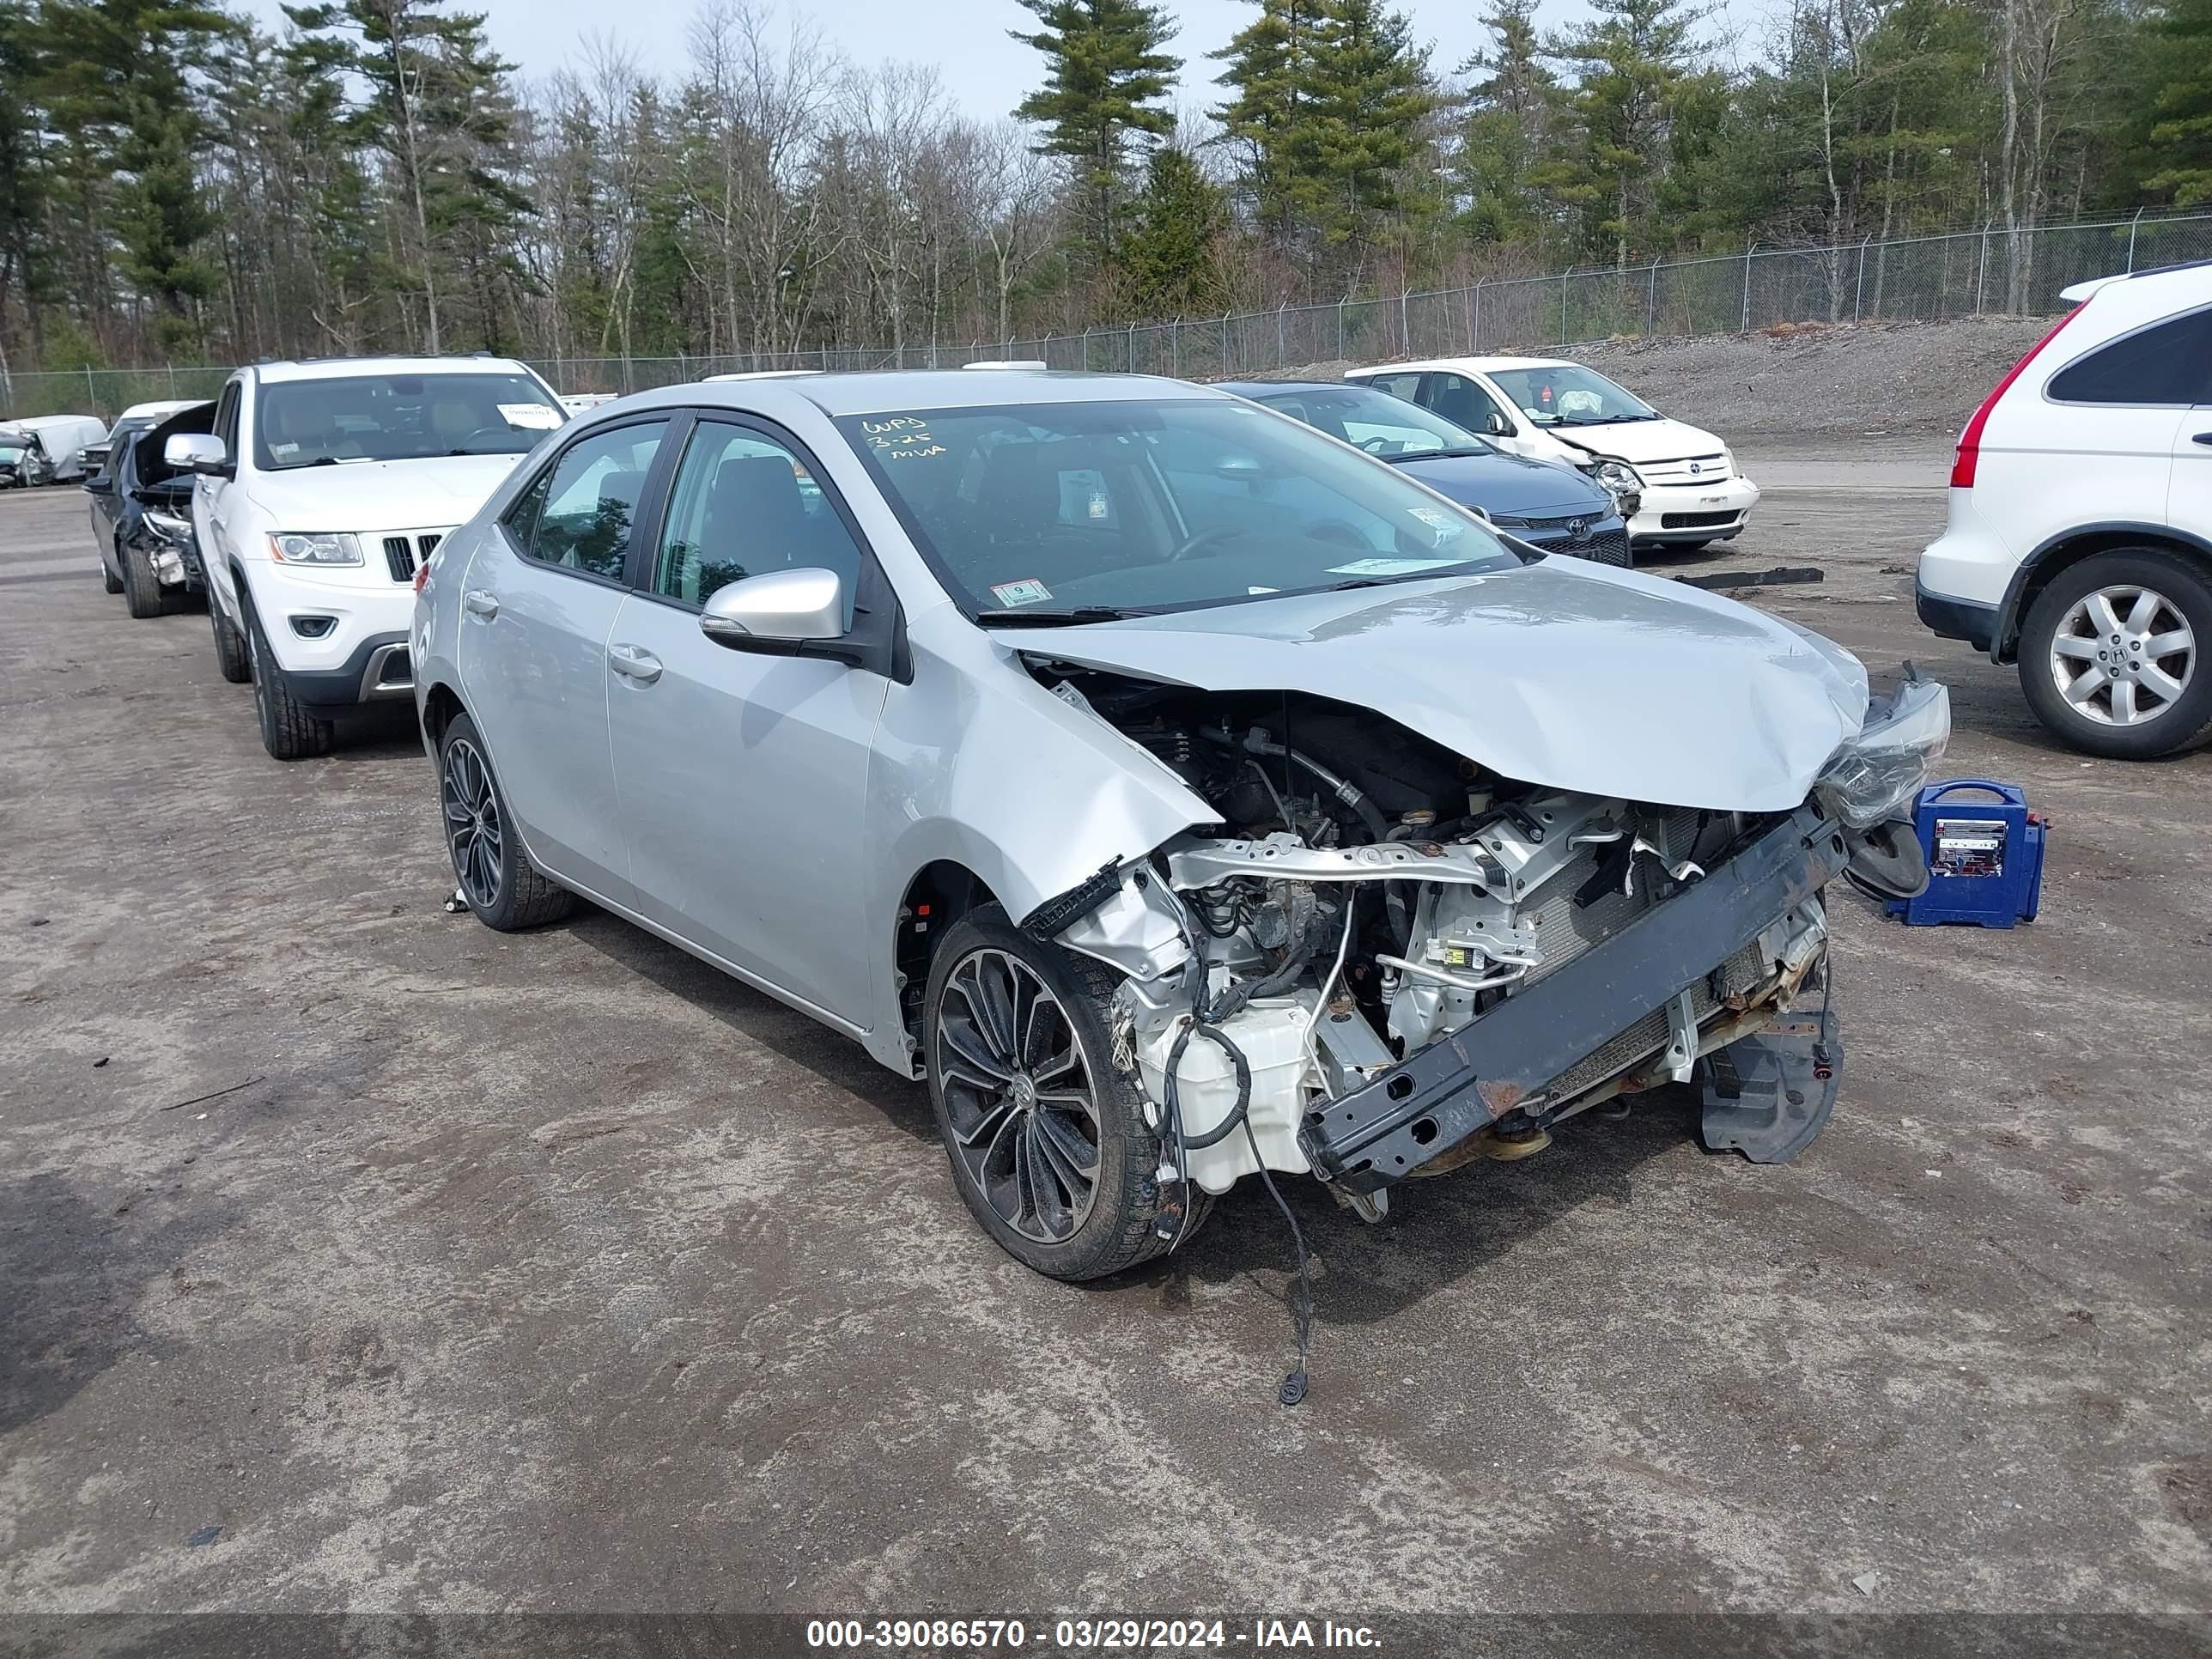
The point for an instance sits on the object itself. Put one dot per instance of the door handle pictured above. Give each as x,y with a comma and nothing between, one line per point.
480,603
2204,438
632,662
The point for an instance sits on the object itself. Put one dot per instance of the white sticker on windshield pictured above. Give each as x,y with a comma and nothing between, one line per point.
530,418
1380,567
1437,519
1263,590
1028,591
284,449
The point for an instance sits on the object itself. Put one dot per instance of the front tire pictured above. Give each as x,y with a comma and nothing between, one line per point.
290,730
231,659
505,889
1045,1133
142,589
2113,655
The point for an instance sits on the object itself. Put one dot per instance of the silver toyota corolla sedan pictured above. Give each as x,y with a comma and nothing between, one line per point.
1177,791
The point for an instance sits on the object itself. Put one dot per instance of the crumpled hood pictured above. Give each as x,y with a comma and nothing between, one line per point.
1502,483
371,495
1661,439
1571,676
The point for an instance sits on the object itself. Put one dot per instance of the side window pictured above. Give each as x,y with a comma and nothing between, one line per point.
1458,398
580,513
744,505
225,419
2169,363
1404,385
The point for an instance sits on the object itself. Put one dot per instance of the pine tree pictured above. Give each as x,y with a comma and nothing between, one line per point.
1168,256
1509,138
439,111
113,73
1634,60
1330,96
2181,133
1369,94
1104,79
1268,68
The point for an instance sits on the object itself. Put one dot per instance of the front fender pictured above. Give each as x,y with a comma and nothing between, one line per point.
977,764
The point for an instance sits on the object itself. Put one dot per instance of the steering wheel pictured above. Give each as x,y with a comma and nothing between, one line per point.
483,432
1338,532
1377,445
1190,544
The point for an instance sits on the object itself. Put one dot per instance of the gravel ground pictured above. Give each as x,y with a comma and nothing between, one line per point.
1919,379
557,1272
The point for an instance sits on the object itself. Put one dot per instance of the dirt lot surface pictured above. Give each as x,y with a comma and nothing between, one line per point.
353,1255
1808,381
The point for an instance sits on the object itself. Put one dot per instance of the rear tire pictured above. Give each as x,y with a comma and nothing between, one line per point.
2131,692
1031,1107
290,730
142,589
231,659
505,889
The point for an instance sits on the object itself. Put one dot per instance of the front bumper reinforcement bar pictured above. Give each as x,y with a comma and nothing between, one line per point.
1384,1131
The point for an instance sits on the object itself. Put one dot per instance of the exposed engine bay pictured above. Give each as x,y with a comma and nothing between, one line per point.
1367,895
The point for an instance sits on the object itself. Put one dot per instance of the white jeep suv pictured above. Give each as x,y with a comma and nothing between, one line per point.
1677,486
2080,540
322,488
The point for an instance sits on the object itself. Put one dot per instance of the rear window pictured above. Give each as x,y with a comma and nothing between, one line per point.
2169,363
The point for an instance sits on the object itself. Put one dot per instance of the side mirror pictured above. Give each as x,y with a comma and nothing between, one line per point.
1499,426
197,452
775,612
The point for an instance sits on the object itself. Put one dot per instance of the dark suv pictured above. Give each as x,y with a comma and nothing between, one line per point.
142,513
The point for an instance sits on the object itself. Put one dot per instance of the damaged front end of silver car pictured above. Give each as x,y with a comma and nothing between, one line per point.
1386,961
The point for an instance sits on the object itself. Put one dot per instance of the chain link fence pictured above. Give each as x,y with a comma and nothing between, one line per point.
1991,271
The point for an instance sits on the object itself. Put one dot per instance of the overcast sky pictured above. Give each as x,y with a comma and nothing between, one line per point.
984,72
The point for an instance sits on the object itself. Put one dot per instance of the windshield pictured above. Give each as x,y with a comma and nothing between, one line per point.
1567,394
1079,510
1377,422
399,418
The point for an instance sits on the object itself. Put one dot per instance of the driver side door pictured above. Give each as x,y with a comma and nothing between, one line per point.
743,778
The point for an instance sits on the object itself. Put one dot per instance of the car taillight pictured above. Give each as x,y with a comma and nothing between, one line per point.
1970,441
421,575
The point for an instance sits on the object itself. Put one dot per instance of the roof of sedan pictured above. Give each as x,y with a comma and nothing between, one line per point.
887,390
1264,388
1480,365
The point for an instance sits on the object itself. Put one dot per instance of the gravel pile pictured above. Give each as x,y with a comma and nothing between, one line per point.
1811,380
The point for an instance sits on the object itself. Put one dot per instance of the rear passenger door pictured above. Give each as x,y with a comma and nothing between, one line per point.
542,595
743,777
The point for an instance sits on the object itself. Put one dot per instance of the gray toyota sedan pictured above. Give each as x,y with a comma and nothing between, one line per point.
1176,791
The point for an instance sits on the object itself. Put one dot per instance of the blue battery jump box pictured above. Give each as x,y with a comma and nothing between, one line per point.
1985,857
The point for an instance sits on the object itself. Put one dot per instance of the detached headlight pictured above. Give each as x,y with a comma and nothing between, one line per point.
1879,770
315,547
168,526
1619,476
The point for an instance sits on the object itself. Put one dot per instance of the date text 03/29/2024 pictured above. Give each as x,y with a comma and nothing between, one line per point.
1085,1635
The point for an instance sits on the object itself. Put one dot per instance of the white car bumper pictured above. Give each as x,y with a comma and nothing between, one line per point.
1694,512
1965,575
339,633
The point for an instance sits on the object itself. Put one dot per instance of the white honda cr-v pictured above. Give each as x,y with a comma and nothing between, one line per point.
322,488
2080,540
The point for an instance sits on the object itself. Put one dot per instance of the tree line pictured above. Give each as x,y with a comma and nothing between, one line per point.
179,184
